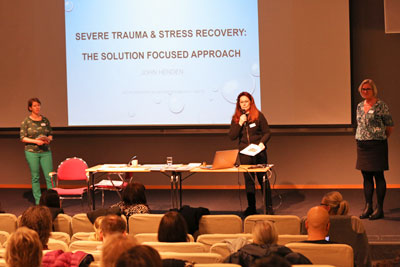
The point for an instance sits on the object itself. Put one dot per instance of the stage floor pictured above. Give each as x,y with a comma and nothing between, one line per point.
296,202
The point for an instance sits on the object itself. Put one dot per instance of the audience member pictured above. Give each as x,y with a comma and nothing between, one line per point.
335,204
317,225
272,260
133,200
140,256
24,249
38,218
265,239
115,245
95,236
51,199
172,228
112,224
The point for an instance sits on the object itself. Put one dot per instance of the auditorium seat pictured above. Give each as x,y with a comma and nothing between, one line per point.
285,224
81,236
85,245
210,239
193,257
8,222
144,223
4,237
220,224
284,239
81,223
61,236
62,223
54,244
177,246
153,237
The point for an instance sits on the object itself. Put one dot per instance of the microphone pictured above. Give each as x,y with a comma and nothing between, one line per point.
130,161
244,112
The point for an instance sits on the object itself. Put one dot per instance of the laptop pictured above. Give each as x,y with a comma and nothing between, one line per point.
223,159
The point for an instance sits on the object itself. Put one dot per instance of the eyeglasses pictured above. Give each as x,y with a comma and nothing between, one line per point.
366,89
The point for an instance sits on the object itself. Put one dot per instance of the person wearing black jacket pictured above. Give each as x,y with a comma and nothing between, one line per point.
249,126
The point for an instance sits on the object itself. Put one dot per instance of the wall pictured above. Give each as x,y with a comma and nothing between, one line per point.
303,157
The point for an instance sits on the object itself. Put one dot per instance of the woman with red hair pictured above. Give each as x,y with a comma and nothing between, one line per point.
249,126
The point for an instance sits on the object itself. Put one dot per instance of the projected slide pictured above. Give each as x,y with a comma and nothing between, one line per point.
160,62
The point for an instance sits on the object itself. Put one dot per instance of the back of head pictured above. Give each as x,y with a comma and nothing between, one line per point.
172,228
115,245
112,224
134,194
38,218
50,198
140,256
335,203
264,232
24,248
317,223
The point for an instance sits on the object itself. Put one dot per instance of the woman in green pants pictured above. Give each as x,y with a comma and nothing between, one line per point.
36,134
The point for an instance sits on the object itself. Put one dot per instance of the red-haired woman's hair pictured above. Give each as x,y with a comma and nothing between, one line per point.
253,111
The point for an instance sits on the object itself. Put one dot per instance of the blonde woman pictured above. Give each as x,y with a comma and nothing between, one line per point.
24,249
335,204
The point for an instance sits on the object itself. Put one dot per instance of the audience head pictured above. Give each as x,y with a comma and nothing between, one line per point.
112,224
172,228
334,203
96,227
272,260
140,256
264,232
24,249
115,245
317,223
38,218
50,198
134,194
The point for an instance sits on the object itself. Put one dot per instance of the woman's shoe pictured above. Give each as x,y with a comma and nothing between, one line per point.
367,211
377,214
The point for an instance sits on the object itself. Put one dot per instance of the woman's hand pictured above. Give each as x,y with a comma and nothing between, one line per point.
262,146
40,142
242,119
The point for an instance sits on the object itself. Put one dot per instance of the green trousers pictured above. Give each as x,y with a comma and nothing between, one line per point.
35,160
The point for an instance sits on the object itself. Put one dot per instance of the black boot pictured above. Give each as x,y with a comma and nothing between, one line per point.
378,213
367,211
251,209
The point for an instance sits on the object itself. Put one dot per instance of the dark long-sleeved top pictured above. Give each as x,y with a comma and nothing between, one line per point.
258,131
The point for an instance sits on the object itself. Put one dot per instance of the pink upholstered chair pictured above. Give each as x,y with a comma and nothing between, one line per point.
71,169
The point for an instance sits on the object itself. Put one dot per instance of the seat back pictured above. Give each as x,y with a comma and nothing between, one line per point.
54,244
72,169
220,224
210,239
82,236
216,265
61,236
339,255
8,222
144,223
284,239
4,237
153,237
85,245
177,246
81,223
193,257
62,223
221,249
285,224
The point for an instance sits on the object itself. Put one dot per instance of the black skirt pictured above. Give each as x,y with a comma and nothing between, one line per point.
372,155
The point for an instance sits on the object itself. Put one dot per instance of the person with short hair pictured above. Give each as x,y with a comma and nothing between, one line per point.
317,225
265,237
38,218
51,199
172,228
133,200
36,133
24,248
140,256
114,246
374,126
112,224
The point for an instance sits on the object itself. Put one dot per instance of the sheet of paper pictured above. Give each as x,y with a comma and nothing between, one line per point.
251,150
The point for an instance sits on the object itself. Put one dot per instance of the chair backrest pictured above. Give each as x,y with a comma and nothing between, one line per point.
220,224
285,224
177,246
216,265
8,222
221,249
81,223
284,239
72,169
339,255
61,236
54,244
144,223
3,263
153,237
4,237
210,239
193,257
85,245
82,236
62,223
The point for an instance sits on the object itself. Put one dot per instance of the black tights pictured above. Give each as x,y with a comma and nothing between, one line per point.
369,186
